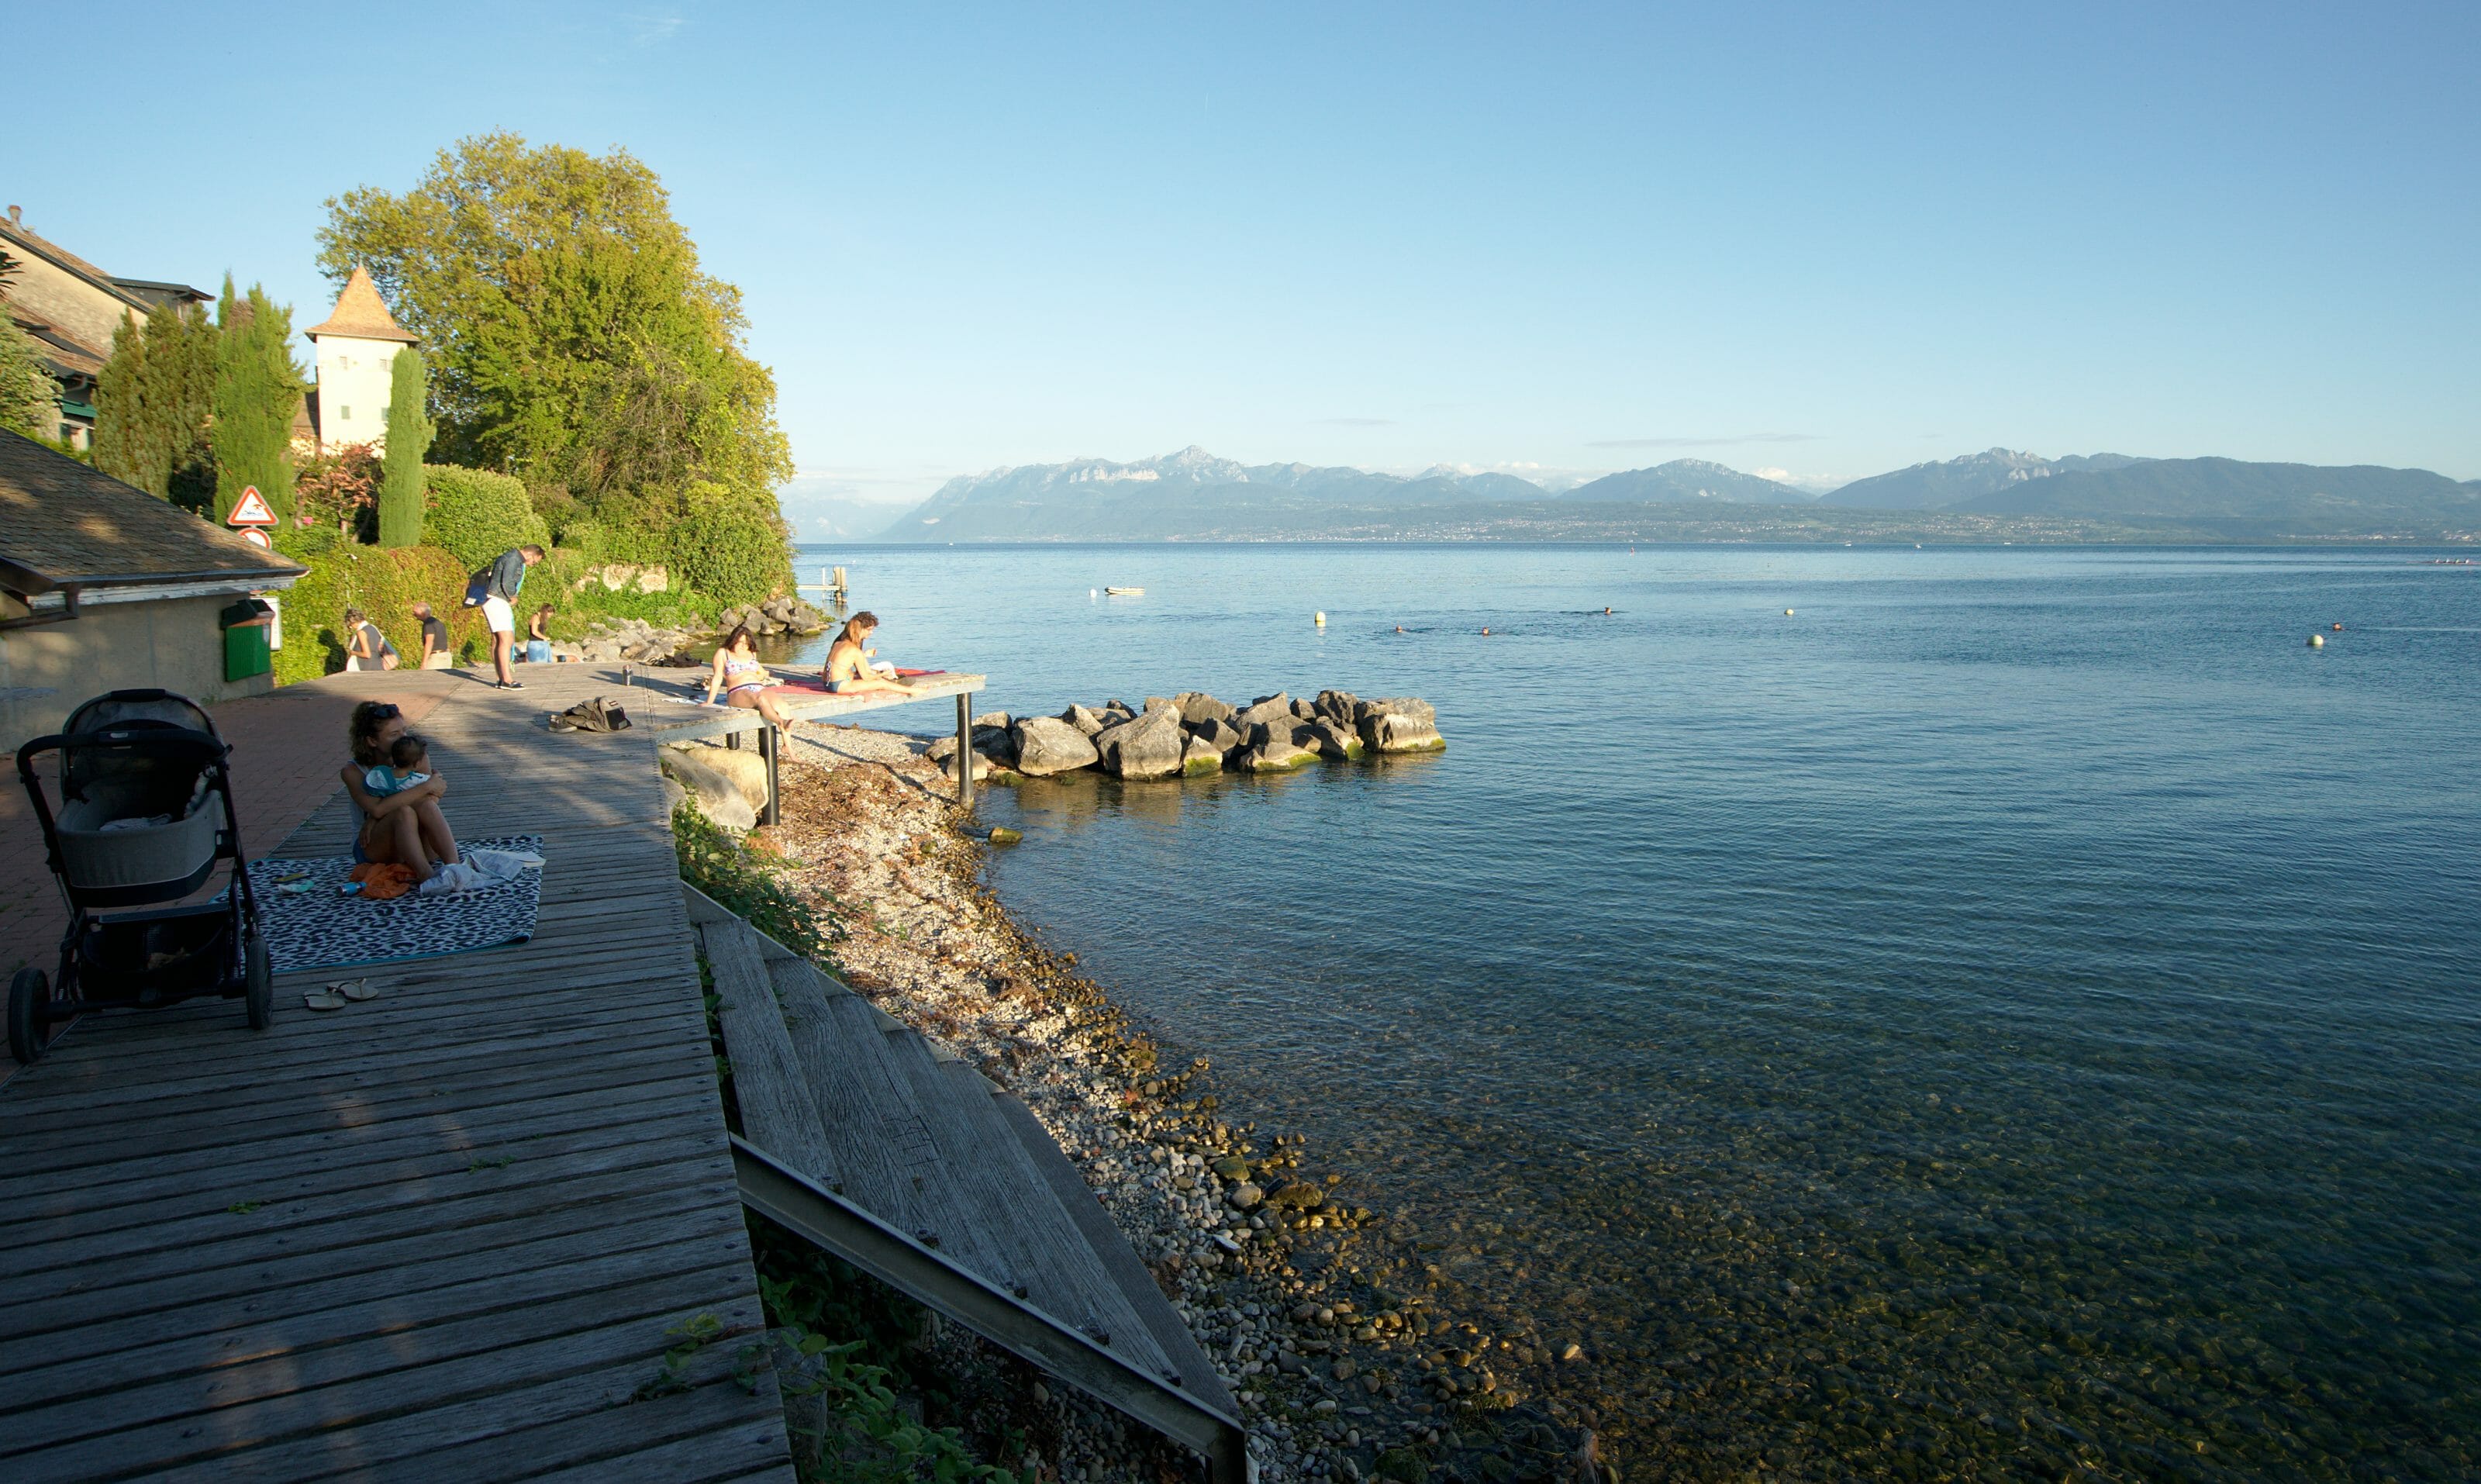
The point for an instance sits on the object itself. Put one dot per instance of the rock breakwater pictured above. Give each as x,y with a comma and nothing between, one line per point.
1193,733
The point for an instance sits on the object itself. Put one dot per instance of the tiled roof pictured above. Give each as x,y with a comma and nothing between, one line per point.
64,522
361,313
15,232
67,355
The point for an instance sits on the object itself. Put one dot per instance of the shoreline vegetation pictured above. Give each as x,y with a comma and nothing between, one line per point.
1322,1317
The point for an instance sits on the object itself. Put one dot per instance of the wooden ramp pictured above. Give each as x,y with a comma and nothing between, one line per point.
952,1177
447,1235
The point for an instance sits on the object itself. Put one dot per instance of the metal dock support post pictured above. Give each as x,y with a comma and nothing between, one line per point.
965,750
768,749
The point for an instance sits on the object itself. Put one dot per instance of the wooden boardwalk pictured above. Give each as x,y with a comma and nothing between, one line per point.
446,1235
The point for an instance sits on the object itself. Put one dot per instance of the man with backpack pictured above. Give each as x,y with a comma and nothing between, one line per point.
494,589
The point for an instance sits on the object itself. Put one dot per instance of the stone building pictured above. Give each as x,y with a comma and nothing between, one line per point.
105,587
72,308
356,349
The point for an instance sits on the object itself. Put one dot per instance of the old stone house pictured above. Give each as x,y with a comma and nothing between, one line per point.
71,308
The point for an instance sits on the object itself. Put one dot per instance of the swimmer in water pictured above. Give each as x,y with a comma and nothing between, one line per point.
1485,628
1606,612
1399,628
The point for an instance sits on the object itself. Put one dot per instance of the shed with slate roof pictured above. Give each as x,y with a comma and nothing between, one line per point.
103,587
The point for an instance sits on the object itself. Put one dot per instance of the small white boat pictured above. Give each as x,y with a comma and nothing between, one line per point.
1124,592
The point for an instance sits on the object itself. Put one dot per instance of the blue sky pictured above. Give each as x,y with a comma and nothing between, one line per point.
1826,240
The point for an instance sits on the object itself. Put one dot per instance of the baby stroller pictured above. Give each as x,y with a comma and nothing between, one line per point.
145,812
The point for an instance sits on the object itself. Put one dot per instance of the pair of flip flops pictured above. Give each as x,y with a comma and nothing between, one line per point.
340,994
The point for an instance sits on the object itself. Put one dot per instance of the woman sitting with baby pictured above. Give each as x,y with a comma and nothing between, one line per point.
390,782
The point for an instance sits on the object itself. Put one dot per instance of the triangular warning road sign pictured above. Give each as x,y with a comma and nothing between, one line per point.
251,511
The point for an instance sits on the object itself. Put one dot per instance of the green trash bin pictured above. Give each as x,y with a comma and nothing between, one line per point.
246,652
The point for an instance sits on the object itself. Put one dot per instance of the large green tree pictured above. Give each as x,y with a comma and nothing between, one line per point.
155,402
408,438
573,338
257,391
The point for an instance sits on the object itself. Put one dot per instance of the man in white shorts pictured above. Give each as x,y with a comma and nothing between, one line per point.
507,577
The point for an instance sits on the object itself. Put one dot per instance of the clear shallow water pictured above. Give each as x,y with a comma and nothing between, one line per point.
2022,1011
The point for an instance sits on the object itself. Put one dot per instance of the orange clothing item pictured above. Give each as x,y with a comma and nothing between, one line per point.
383,881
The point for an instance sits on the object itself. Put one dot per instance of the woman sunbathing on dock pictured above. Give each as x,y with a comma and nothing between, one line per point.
743,680
403,827
848,669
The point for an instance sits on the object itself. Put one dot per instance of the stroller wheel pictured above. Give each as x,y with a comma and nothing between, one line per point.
258,982
27,1030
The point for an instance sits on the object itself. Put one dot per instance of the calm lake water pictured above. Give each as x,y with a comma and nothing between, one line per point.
2020,1012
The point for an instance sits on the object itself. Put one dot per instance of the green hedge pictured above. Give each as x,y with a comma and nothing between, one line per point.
477,514
734,547
384,582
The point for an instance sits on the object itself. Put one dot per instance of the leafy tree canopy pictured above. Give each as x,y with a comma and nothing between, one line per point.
571,337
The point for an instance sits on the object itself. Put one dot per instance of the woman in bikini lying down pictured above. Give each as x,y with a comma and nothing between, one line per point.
740,680
849,672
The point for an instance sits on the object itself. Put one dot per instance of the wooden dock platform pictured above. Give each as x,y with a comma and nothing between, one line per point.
489,1225
450,1233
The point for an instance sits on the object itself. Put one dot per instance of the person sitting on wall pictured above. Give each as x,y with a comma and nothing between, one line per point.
435,654
499,587
849,672
539,637
404,827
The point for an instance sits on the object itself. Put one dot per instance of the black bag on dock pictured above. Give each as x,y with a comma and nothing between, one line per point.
594,716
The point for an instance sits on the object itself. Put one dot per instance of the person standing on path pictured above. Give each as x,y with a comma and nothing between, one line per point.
500,589
366,648
435,655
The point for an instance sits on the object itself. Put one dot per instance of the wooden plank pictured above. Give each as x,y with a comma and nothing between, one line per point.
776,1110
195,1292
993,1186
633,1329
314,1168
878,1148
1198,1375
256,1335
432,1269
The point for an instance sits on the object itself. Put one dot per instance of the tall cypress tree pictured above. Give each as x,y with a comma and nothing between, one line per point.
152,409
126,445
258,388
408,439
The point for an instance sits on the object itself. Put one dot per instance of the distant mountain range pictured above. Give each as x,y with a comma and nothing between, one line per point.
1193,495
1684,479
1955,481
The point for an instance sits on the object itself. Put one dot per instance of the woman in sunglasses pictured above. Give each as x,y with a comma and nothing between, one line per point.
406,827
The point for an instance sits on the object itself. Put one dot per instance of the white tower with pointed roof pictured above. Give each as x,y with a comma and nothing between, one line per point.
356,347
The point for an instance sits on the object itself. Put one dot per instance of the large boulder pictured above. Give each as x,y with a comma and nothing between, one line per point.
1290,730
1150,747
1274,755
1196,705
1305,711
1163,703
1222,736
715,793
1264,710
1340,706
1397,706
1000,742
743,766
1047,745
1085,721
1396,732
993,718
1335,740
1199,757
